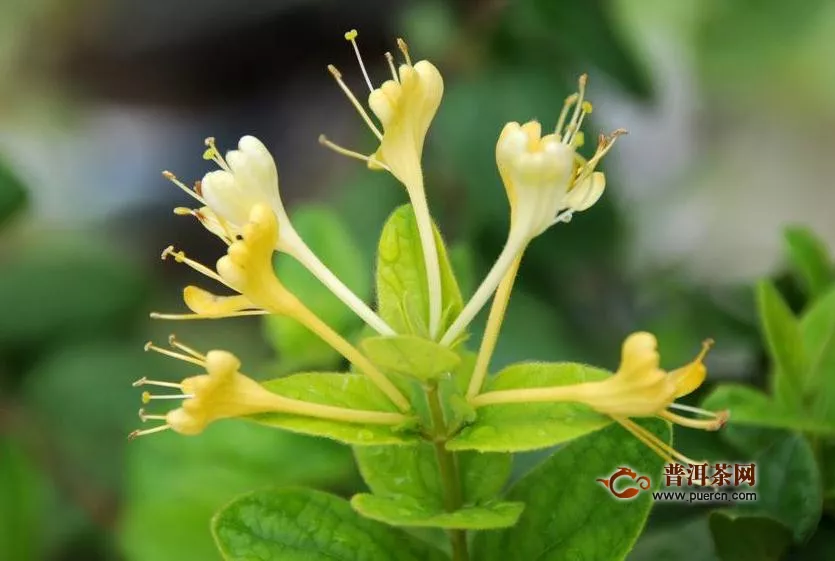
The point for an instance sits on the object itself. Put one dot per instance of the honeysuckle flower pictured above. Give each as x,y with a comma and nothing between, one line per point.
248,177
405,105
546,181
639,388
247,269
223,392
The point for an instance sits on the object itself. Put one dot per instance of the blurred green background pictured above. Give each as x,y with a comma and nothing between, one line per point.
730,106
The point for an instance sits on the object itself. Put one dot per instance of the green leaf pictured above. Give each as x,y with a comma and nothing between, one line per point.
411,355
788,480
327,236
19,516
402,292
818,330
810,258
353,391
75,289
12,193
397,471
176,483
307,525
749,406
405,511
785,344
748,538
516,427
568,514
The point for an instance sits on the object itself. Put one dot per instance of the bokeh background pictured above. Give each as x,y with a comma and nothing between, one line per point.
730,106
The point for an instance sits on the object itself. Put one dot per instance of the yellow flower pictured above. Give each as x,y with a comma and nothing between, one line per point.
405,106
222,392
545,178
639,388
248,178
247,268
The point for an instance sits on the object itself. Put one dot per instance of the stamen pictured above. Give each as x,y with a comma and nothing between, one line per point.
184,317
190,192
147,397
716,423
144,417
323,140
390,60
657,445
696,410
212,153
581,92
149,346
137,433
404,48
566,105
172,340
180,257
351,37
143,381
354,101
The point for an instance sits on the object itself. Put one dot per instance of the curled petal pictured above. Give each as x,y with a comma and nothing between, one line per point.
584,195
204,303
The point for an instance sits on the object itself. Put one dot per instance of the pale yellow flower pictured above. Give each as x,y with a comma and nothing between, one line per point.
248,177
222,392
405,106
545,178
639,388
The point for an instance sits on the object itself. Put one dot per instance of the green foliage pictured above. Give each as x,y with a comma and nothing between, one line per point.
818,331
411,356
789,488
352,391
328,237
568,517
810,258
307,525
13,195
176,484
404,511
515,427
748,538
402,293
782,333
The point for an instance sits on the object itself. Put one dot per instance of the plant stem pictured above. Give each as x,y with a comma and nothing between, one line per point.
448,468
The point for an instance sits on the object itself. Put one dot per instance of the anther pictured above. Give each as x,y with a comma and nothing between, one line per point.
404,48
336,73
351,37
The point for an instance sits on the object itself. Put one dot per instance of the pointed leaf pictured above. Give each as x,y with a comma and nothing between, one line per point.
810,258
351,391
516,427
402,292
818,330
306,525
749,406
568,514
405,511
410,355
785,345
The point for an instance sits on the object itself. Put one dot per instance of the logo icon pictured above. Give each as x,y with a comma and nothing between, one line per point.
626,491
